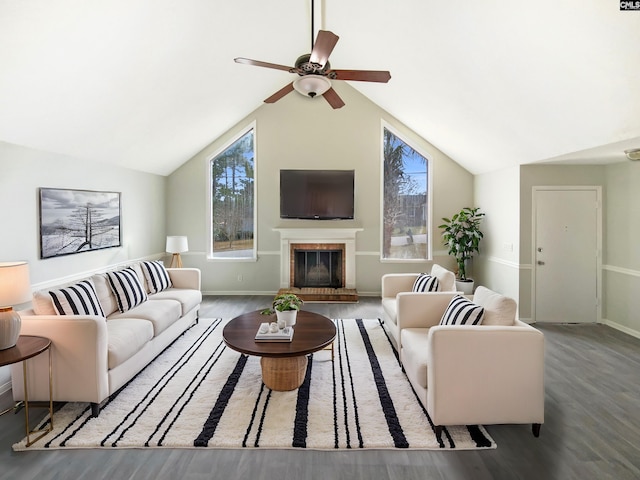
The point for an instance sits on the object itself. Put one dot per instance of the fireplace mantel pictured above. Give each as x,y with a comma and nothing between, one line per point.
318,235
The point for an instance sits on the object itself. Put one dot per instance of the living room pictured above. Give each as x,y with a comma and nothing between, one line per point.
296,132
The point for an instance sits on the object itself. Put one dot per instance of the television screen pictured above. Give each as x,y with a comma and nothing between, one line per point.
317,194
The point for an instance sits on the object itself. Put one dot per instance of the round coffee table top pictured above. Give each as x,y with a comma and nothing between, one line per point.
312,332
26,347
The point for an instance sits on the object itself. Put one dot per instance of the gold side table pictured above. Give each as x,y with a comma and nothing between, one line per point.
29,346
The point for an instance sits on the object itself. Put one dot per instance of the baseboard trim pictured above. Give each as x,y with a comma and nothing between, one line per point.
5,387
622,328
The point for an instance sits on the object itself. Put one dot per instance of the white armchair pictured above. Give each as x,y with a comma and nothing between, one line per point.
491,373
399,301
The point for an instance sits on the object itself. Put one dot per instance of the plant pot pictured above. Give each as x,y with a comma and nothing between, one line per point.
288,316
465,286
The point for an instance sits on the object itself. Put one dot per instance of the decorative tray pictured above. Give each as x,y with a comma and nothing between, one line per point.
265,335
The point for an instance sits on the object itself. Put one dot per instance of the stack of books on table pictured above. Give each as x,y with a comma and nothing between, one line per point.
264,335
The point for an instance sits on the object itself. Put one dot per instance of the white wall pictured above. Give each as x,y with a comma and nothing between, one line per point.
302,133
621,258
497,194
23,171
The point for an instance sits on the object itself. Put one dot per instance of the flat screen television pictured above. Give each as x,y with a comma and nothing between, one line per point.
317,194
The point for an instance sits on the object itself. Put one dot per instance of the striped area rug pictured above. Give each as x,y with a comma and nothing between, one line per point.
200,394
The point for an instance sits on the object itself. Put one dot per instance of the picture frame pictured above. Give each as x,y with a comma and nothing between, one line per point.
76,221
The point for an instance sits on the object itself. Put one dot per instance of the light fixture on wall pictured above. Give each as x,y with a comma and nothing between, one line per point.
633,154
177,244
312,85
14,290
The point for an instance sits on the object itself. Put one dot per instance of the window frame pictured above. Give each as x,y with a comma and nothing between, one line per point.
209,161
429,199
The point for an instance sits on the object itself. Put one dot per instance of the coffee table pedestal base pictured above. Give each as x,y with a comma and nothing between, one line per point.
283,373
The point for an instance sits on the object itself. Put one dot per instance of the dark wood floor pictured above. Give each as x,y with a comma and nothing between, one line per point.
591,430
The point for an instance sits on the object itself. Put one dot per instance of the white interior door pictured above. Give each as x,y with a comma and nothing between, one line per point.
566,260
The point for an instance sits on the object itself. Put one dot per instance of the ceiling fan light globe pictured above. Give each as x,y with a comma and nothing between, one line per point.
311,85
633,154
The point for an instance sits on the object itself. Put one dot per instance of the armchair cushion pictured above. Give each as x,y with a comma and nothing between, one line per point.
499,310
446,278
461,311
414,354
78,299
425,283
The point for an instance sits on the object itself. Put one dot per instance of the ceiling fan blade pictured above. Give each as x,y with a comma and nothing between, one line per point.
258,63
332,97
325,43
280,93
382,76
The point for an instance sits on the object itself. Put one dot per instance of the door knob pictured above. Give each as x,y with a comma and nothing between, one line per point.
540,262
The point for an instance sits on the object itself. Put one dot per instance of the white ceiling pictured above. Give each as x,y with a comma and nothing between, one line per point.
146,84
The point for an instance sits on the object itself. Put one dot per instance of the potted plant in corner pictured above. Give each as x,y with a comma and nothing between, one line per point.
286,308
462,237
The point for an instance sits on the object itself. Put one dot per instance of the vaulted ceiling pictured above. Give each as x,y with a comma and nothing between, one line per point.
146,84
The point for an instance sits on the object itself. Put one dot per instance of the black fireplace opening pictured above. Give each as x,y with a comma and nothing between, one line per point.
318,268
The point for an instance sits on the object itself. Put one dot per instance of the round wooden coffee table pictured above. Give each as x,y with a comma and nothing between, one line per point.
284,364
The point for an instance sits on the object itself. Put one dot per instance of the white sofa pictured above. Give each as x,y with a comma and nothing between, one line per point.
399,301
492,373
94,356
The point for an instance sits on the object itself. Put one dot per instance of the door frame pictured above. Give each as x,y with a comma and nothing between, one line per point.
598,190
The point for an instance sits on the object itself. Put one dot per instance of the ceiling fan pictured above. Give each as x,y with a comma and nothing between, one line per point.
315,72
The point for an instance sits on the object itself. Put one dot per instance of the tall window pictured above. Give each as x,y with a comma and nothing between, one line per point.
233,200
405,211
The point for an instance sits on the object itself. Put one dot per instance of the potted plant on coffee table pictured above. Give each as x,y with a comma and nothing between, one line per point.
286,307
462,235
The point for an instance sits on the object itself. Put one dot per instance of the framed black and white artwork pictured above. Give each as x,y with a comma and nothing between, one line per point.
75,221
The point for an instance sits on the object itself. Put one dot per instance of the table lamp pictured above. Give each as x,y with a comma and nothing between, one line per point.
176,245
14,290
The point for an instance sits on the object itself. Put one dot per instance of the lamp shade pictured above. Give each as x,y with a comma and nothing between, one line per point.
15,287
177,244
312,85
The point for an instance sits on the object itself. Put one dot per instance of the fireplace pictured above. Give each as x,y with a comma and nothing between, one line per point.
322,239
317,265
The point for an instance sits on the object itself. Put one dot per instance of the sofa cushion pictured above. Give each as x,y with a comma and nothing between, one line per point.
498,309
161,313
42,303
188,298
105,295
461,311
127,288
78,299
126,338
156,275
414,353
425,283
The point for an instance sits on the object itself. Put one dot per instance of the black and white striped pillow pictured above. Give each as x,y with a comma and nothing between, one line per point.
127,288
156,275
425,283
462,312
78,299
